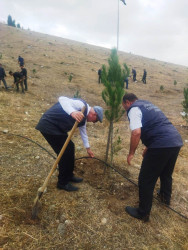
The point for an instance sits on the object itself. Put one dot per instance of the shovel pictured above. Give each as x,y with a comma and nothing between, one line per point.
40,192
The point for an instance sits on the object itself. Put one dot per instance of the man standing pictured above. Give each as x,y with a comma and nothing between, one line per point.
21,61
163,143
2,76
24,73
18,78
127,82
54,125
144,76
99,75
134,75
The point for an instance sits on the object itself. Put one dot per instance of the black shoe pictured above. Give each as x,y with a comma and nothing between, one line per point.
134,213
68,187
162,198
76,179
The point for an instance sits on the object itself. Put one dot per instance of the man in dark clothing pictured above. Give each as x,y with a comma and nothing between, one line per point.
18,78
163,143
99,74
21,61
24,73
127,82
144,76
134,75
2,76
54,125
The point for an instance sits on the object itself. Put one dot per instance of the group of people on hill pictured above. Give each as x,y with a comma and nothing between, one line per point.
143,77
134,78
147,123
126,80
20,77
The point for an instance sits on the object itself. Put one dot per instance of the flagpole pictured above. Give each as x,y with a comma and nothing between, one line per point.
118,27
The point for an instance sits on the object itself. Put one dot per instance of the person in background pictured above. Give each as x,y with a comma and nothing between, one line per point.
99,75
18,79
24,73
2,76
54,126
144,76
162,142
21,61
127,82
134,75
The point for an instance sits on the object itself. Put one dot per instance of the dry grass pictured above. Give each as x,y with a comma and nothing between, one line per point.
94,217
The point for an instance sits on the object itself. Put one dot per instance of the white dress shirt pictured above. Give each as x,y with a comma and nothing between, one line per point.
135,118
70,105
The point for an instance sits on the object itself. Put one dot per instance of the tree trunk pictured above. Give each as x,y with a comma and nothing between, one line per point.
111,144
109,139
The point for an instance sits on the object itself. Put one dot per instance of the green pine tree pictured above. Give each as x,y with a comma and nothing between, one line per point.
113,80
11,22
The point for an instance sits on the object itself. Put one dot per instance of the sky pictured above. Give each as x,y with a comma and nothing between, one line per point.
149,28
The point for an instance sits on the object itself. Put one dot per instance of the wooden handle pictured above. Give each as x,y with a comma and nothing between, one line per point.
61,153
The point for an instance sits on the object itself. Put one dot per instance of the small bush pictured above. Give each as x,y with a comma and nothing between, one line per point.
1,56
70,78
34,71
161,88
77,94
175,82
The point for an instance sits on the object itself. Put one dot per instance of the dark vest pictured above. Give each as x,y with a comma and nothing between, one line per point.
55,121
157,131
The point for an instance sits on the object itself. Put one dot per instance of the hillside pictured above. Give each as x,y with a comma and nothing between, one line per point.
93,217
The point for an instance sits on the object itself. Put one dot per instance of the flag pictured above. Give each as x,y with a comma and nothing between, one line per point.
123,1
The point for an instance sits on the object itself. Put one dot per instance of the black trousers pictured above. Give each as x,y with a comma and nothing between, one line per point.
66,163
25,83
157,163
144,80
21,84
4,82
99,79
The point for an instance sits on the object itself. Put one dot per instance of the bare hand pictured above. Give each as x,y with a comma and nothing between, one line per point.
77,115
144,152
129,158
90,153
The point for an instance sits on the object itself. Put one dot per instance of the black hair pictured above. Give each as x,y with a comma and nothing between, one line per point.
130,97
10,72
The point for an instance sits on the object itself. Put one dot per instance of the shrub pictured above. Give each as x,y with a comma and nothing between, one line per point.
161,88
175,82
77,94
70,78
185,105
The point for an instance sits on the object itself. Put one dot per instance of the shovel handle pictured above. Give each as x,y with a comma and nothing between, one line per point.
60,154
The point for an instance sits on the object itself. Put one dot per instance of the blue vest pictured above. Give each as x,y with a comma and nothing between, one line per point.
157,131
55,121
